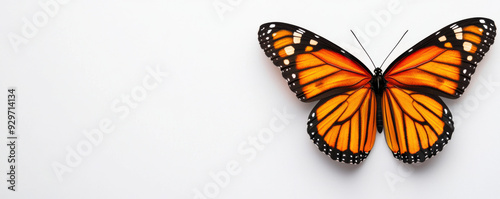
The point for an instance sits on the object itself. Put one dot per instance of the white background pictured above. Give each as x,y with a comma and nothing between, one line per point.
221,92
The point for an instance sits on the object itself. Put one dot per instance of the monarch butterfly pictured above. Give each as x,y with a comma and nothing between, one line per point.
404,100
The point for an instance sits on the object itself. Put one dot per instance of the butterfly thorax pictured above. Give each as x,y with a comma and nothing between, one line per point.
378,82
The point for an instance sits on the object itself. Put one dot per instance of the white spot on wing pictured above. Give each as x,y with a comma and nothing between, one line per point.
459,36
296,40
296,34
313,42
467,46
469,58
289,50
457,30
442,38
286,61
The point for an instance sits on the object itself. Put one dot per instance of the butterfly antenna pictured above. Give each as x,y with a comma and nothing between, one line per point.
363,48
393,48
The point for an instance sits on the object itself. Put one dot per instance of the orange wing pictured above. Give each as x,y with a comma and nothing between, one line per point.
416,121
344,126
443,63
417,126
313,67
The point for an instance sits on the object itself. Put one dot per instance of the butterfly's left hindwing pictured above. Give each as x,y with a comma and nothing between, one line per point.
313,67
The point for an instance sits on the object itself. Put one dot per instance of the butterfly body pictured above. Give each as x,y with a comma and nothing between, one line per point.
403,101
378,84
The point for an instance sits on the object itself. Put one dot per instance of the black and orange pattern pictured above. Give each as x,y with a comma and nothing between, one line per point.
443,63
440,65
417,126
313,67
343,126
405,98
